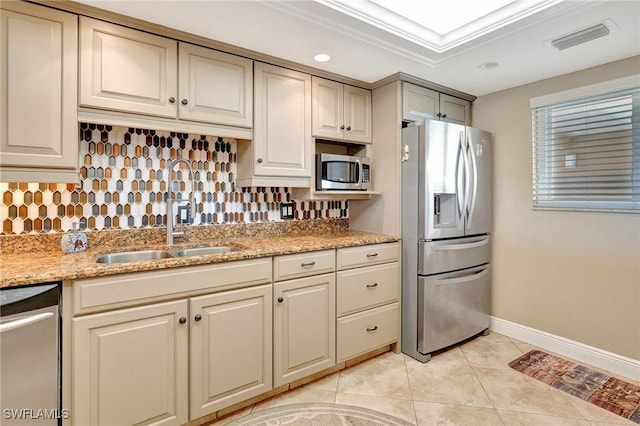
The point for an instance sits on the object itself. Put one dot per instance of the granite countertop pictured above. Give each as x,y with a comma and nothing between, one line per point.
38,267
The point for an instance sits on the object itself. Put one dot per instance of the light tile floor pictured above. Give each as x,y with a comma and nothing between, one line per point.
468,384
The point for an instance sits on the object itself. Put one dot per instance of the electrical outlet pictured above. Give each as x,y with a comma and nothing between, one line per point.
183,215
286,211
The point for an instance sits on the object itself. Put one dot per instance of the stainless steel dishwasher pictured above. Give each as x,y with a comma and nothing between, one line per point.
30,355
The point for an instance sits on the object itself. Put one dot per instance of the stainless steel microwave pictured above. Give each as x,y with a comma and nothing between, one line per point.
342,172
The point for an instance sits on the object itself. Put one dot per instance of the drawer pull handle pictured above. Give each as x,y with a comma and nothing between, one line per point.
372,329
306,265
372,255
372,285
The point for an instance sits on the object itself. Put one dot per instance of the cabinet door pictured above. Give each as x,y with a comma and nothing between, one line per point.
418,102
455,110
282,134
130,366
357,114
231,349
127,70
327,108
215,87
38,74
304,327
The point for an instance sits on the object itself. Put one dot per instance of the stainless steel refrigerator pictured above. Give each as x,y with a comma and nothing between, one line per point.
446,228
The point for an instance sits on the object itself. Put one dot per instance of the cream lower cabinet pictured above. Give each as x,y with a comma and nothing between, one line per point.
230,348
38,93
168,362
304,316
131,366
367,299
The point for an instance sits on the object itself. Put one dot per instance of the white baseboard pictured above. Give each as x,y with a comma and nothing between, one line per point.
618,364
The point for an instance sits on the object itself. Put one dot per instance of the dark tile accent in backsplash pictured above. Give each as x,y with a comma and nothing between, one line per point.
124,184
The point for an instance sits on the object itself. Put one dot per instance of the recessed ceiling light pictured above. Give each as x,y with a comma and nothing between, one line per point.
488,65
322,57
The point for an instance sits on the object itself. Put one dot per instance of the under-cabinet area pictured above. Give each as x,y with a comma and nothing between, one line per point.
176,345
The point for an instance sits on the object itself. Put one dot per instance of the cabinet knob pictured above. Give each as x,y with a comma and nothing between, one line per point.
372,329
444,115
184,102
172,100
197,317
348,128
259,160
438,115
342,127
182,320
280,299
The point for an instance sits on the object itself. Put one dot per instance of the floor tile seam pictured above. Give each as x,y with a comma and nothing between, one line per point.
453,404
376,396
569,398
475,373
551,416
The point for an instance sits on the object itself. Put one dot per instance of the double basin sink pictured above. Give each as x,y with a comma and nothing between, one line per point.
143,255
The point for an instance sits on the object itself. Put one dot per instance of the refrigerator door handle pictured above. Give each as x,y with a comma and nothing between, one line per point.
467,176
471,192
473,275
448,247
460,195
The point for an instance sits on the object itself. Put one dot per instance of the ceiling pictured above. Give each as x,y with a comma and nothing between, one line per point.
369,49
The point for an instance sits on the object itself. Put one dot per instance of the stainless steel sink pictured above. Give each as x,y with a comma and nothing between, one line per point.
133,256
139,256
201,251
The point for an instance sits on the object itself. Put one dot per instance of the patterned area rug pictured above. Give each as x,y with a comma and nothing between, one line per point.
318,415
600,389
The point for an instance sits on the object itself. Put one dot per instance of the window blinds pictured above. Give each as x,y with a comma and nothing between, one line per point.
586,153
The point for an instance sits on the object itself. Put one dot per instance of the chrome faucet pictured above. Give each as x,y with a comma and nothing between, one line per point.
170,199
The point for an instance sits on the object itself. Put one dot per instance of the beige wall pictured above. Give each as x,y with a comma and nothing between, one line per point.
572,274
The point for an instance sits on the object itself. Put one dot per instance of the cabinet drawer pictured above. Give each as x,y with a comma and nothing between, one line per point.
116,291
364,288
302,265
353,257
362,332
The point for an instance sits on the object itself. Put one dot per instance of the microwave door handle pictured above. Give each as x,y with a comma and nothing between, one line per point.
359,173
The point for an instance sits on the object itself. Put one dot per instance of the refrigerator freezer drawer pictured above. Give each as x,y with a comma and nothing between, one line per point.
452,307
436,257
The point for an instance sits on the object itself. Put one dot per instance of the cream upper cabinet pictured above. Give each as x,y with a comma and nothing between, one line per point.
214,86
230,348
131,366
38,74
280,153
131,71
127,70
419,103
304,327
455,110
340,111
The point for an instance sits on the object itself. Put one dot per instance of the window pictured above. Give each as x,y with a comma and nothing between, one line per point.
586,152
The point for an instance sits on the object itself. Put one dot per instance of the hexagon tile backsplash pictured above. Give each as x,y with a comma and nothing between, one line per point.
124,183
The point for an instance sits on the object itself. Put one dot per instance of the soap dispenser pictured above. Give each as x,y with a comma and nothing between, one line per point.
75,241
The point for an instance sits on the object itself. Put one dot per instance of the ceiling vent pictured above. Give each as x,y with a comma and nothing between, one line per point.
579,37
